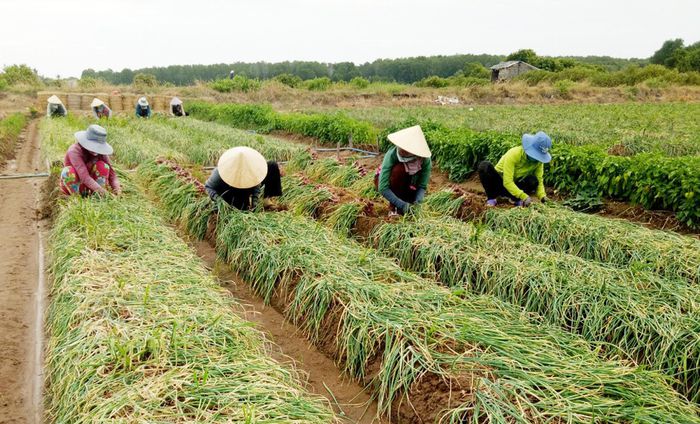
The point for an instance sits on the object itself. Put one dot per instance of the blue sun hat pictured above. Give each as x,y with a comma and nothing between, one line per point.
537,146
94,140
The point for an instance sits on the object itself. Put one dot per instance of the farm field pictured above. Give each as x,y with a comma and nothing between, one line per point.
455,315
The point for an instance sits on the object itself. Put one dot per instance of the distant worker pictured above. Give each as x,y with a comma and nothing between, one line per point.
100,109
231,74
87,168
143,109
405,172
239,176
176,107
519,173
55,107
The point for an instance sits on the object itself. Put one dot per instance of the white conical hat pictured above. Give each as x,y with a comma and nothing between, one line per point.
96,102
411,140
242,167
175,101
143,101
54,100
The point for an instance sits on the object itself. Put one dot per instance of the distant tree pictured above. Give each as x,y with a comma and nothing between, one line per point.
145,80
87,82
288,80
344,71
526,55
21,75
666,55
476,70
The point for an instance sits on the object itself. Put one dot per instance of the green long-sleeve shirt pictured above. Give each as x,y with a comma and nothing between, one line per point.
515,165
419,180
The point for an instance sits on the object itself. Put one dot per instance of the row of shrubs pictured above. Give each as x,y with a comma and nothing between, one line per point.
651,180
327,128
10,128
244,84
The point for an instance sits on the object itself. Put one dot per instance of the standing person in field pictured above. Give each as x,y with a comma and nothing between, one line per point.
143,109
87,168
100,109
519,173
403,177
176,107
239,177
55,107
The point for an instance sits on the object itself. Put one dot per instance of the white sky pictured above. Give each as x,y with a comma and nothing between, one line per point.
66,36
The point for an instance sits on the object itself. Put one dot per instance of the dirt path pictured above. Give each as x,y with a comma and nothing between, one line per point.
324,378
21,287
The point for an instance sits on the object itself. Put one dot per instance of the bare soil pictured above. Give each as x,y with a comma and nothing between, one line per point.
348,398
21,299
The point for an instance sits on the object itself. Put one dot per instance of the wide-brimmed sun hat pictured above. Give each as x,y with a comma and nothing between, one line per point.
54,100
96,102
175,101
94,139
242,167
411,140
537,146
143,102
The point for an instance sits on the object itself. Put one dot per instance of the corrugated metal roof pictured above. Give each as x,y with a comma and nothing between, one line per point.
508,64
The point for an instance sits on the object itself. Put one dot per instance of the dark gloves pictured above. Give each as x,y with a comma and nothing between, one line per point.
394,200
420,195
524,203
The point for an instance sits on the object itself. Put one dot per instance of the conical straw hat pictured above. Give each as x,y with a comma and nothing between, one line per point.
411,140
54,100
96,102
242,167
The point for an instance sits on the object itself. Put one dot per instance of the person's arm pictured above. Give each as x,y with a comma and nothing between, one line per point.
76,159
539,173
254,197
138,115
509,173
113,179
212,185
423,179
94,113
385,177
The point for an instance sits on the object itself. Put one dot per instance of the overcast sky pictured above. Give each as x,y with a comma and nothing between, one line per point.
63,37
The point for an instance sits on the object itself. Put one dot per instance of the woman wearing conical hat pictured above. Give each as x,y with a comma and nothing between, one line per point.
239,177
100,109
403,177
87,168
176,107
55,107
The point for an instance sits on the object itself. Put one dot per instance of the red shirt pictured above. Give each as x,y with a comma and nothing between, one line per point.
82,161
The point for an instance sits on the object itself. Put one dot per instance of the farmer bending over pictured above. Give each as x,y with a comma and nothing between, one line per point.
100,109
143,109
87,167
238,178
55,107
403,177
176,108
519,173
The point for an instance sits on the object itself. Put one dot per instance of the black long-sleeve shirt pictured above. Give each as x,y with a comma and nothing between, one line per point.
243,199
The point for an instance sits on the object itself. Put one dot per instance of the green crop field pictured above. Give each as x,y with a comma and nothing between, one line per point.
452,315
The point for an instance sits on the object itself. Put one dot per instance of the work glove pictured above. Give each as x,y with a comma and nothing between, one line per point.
524,203
404,209
420,195
492,202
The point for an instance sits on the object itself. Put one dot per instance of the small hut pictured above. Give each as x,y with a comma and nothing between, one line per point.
510,69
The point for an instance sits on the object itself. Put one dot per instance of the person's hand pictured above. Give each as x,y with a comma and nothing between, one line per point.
543,200
524,203
405,208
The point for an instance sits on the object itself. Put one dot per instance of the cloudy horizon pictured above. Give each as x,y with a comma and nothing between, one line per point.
65,37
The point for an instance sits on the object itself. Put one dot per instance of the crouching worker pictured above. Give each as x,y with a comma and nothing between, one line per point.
176,108
87,168
519,173
55,107
239,177
403,177
143,109
100,109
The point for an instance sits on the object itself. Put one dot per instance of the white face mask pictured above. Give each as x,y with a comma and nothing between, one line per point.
404,159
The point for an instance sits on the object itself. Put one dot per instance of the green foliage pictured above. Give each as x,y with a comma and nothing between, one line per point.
18,75
288,80
318,84
476,70
10,128
237,83
87,83
665,55
326,127
359,82
143,81
433,82
3,82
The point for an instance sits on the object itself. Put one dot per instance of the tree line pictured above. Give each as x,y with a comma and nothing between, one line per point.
405,70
